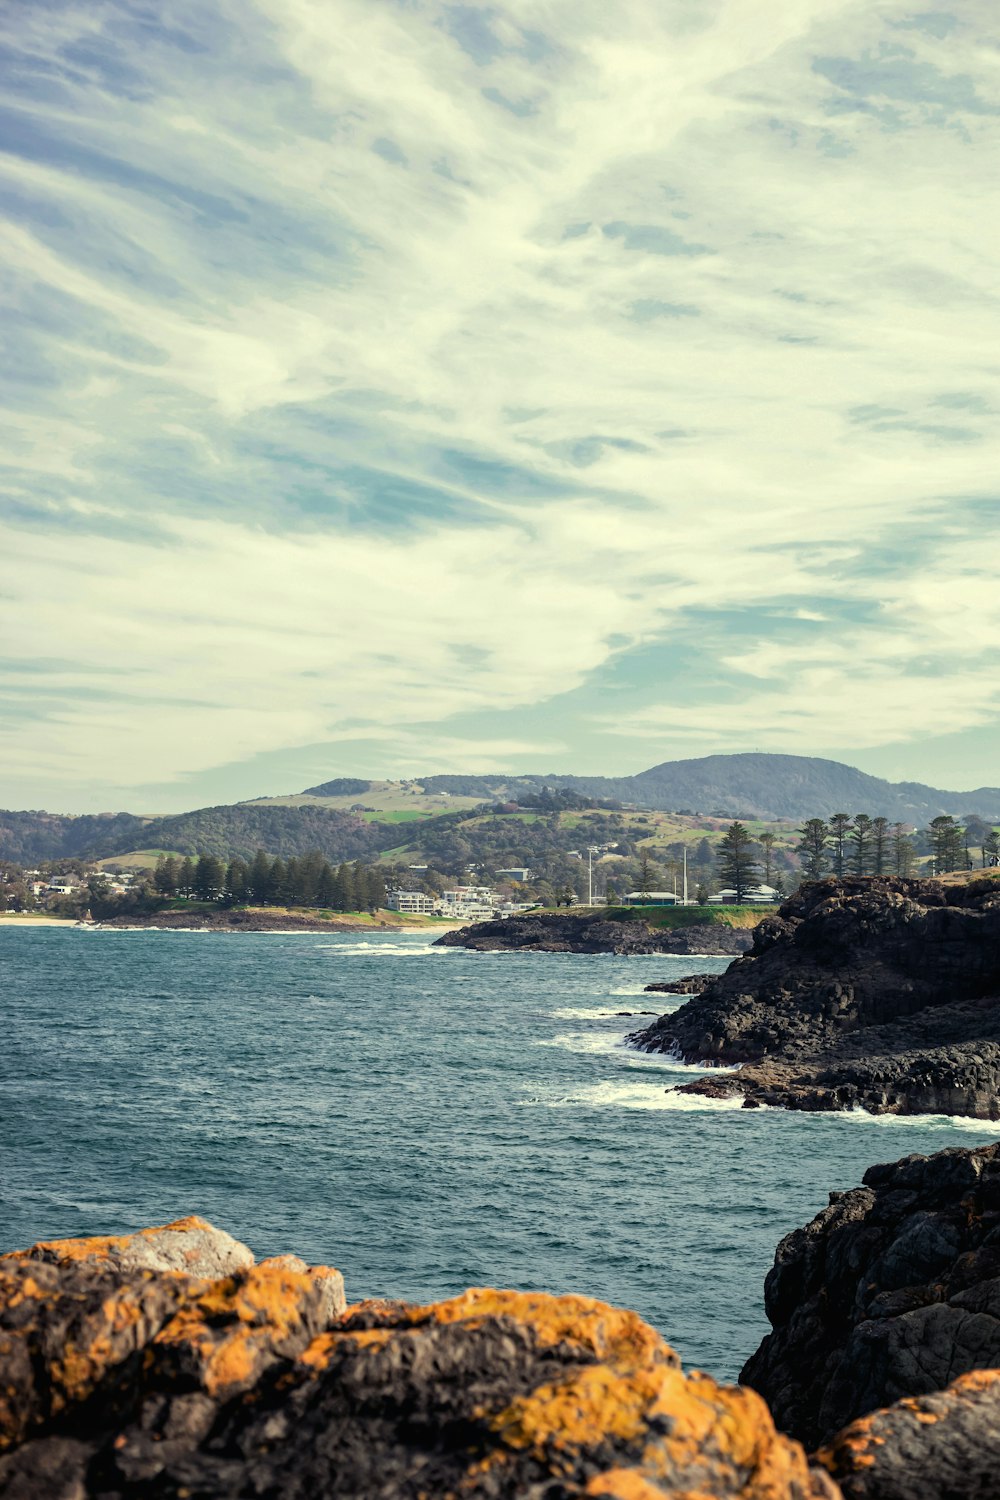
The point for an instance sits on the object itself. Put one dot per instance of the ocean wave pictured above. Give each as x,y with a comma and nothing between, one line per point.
392,950
629,1094
917,1122
590,1013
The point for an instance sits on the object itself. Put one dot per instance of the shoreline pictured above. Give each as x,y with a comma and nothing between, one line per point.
316,928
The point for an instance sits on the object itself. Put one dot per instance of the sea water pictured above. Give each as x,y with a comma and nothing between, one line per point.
423,1118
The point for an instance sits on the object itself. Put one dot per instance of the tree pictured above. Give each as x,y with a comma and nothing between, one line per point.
767,842
376,892
839,825
185,878
880,845
566,896
611,896
346,899
209,878
737,868
902,852
644,883
813,848
947,840
259,876
861,835
237,880
326,893
991,850
166,875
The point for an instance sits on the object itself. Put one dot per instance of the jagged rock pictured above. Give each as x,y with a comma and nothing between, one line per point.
590,932
691,984
118,1384
891,1292
877,993
945,1445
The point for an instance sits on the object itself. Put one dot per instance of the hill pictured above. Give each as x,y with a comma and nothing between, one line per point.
474,817
747,785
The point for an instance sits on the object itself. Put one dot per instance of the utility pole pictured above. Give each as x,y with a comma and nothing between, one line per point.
685,875
591,851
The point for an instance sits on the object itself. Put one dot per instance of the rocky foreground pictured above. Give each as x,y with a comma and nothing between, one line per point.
879,993
168,1364
594,932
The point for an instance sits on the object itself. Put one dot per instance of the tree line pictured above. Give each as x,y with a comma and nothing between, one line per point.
309,880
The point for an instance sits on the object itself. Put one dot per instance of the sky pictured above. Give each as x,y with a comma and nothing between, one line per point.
395,387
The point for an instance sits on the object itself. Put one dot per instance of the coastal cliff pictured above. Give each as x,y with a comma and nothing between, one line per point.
596,932
878,993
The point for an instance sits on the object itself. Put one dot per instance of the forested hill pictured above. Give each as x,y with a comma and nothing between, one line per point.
349,819
799,786
227,831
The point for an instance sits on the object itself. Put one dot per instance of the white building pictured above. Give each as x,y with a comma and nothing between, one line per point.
470,895
754,895
414,902
651,898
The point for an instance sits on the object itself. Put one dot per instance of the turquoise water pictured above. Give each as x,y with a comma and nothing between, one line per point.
425,1119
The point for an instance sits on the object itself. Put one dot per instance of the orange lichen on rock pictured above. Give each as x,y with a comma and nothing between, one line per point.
229,1331
583,1323
944,1443
190,1246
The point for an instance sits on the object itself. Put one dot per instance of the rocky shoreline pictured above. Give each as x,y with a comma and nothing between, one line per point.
169,1364
240,920
881,994
595,932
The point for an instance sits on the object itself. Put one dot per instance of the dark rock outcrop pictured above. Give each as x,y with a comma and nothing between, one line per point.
128,1384
890,1293
691,984
880,993
593,932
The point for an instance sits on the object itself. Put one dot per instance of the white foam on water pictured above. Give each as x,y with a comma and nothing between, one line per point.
392,950
916,1122
630,1094
583,1041
590,1013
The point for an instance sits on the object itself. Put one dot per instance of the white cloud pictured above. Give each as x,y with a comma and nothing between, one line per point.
235,343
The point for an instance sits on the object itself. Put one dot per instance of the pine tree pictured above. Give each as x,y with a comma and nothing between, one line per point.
166,875
737,867
346,899
326,893
185,878
903,854
947,840
237,881
376,889
880,845
991,850
209,878
275,888
259,877
767,842
644,884
839,824
813,848
861,834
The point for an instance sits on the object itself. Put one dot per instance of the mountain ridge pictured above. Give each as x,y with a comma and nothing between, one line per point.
749,785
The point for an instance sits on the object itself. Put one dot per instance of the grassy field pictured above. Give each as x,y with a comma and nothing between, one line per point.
139,859
742,917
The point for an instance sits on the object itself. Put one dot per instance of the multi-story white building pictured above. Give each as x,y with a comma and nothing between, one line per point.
414,902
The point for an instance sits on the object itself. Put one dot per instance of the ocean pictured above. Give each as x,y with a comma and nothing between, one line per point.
424,1118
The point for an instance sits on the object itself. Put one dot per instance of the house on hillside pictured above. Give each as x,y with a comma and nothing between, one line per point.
414,902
